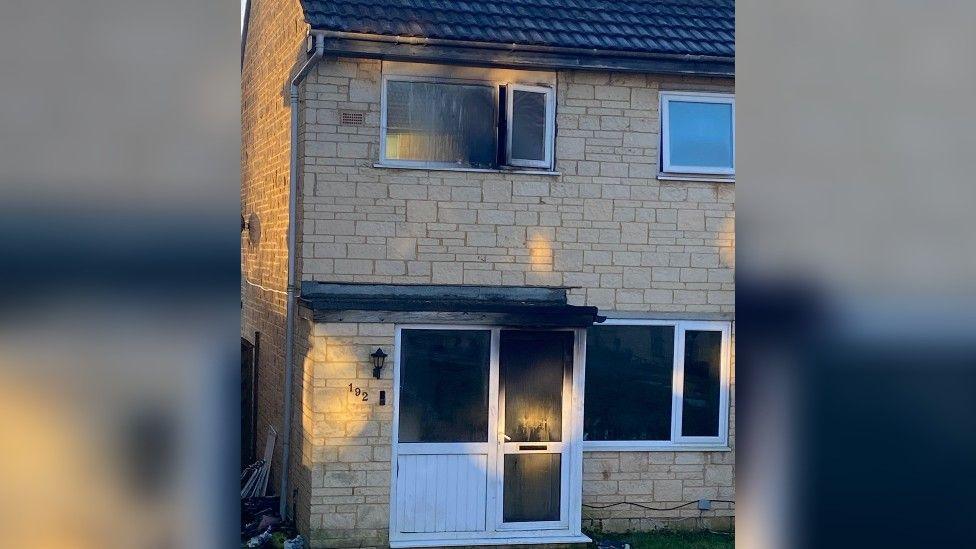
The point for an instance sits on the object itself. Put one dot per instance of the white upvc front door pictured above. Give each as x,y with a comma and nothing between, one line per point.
516,477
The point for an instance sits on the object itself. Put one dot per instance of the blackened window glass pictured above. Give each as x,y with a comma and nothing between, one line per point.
528,125
450,124
628,383
702,385
444,385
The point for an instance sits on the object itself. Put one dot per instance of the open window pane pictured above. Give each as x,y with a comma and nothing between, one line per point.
436,122
702,384
628,382
528,125
444,385
700,135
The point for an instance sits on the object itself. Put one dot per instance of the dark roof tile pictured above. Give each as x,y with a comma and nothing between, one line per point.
693,27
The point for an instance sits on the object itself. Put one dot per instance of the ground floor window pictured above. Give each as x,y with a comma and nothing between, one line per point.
656,384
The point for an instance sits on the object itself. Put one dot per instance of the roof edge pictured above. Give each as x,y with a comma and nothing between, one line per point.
400,303
513,46
457,52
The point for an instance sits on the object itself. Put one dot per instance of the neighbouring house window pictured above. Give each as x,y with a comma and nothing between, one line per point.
698,133
444,385
656,384
482,125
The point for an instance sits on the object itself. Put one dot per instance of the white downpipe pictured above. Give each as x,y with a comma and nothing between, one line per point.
292,270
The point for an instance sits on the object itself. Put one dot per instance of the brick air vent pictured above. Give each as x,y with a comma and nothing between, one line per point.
347,118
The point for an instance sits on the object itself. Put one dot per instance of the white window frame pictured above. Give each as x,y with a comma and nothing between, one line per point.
692,97
550,130
679,442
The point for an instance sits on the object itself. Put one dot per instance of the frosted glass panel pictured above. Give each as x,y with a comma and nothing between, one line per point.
443,123
532,368
528,125
444,385
629,371
532,486
700,134
700,403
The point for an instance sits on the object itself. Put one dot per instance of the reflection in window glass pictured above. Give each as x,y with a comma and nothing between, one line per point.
700,134
628,383
532,369
702,385
442,123
528,125
444,385
532,486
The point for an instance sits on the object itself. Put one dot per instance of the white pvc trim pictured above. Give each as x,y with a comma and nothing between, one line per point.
522,540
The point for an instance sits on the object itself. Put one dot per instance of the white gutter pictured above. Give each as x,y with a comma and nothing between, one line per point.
292,269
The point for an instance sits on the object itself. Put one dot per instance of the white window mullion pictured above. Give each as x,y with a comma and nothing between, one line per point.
677,383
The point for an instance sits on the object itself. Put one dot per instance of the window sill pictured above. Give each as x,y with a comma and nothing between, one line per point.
602,446
521,171
702,178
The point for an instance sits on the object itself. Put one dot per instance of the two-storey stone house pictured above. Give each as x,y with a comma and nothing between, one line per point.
527,206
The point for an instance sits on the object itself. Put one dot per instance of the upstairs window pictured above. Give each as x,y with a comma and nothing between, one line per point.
430,123
698,133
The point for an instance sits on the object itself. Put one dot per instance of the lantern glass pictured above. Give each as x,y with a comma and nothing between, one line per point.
379,358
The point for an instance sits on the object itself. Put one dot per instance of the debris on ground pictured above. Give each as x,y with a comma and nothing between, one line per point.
260,539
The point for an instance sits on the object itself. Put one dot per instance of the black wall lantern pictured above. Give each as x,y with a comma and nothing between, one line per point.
379,358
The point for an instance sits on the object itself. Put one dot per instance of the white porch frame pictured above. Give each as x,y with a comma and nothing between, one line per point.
568,528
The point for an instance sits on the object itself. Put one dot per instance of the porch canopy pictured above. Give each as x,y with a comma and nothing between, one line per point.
543,307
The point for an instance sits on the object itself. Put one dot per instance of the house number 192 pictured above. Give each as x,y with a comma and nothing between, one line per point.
359,392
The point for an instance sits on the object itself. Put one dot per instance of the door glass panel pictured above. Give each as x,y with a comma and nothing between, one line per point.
700,400
532,368
532,486
444,385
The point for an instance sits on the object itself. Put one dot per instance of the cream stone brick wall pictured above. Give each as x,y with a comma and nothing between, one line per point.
349,460
349,463
274,46
605,226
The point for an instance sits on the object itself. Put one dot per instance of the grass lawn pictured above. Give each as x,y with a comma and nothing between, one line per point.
670,540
